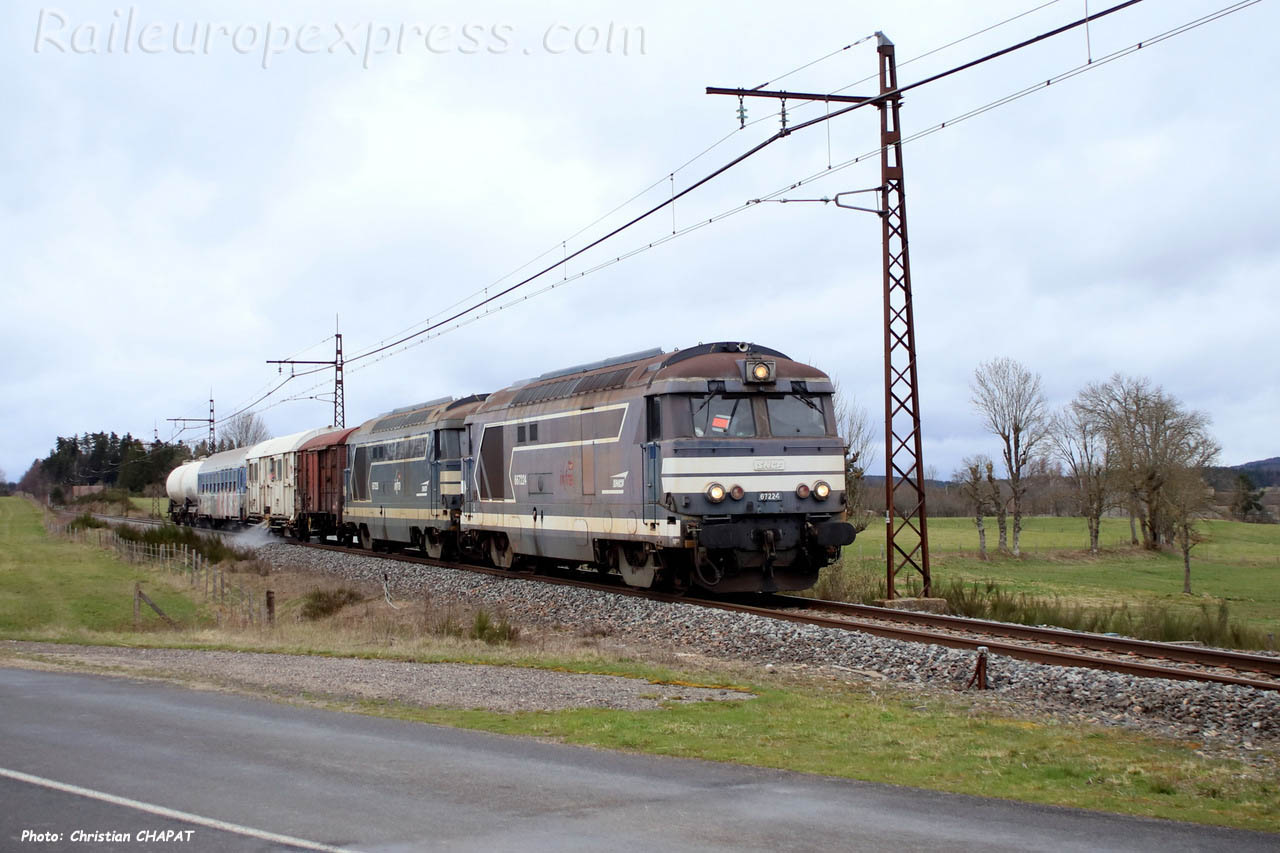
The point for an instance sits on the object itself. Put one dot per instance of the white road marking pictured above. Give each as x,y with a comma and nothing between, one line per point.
161,811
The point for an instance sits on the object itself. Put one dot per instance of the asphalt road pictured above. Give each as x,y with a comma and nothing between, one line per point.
246,774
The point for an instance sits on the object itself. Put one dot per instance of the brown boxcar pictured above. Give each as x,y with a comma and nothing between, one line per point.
319,494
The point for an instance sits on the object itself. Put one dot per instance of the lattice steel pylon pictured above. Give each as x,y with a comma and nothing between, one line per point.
906,523
339,391
339,404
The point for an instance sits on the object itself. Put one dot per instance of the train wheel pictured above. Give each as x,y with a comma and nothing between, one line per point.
500,551
638,565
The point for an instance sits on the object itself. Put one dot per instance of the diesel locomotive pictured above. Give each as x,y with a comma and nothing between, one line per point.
717,466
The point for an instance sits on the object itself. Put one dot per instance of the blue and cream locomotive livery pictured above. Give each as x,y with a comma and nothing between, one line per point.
717,466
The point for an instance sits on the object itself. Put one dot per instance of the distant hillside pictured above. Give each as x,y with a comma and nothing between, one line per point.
1263,472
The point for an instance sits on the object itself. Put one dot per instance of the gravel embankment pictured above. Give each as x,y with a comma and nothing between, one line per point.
1224,715
495,688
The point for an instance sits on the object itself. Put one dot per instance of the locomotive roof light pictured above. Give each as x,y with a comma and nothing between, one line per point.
759,370
715,493
821,490
802,491
736,492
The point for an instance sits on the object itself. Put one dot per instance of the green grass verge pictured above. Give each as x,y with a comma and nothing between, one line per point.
940,744
149,507
59,590
1238,563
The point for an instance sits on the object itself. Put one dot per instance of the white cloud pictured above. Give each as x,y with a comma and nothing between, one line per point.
170,223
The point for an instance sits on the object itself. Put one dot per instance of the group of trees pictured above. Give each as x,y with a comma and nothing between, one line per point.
108,459
125,462
1123,445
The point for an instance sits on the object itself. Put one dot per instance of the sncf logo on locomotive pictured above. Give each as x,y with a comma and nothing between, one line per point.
770,465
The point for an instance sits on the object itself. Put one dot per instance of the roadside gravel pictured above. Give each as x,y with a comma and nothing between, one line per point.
1239,718
494,688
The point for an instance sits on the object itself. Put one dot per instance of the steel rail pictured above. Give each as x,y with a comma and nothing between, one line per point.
916,635
1242,661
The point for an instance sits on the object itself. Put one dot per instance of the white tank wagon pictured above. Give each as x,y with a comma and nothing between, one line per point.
182,489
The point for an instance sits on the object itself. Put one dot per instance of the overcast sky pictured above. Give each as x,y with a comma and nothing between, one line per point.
176,211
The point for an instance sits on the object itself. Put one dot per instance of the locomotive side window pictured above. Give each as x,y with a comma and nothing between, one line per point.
360,474
493,458
796,414
448,443
653,418
720,415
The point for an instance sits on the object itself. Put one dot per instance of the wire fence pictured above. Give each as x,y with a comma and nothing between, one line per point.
232,603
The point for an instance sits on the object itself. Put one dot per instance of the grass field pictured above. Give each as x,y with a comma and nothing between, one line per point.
57,590
63,591
148,507
1238,563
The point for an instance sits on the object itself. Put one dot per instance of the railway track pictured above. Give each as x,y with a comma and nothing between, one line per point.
1054,646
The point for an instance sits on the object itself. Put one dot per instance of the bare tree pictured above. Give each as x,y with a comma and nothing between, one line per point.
854,426
1151,439
976,492
1008,397
1187,498
998,504
244,430
1079,441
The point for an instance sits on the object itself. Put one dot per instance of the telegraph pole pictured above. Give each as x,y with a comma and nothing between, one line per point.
906,526
339,404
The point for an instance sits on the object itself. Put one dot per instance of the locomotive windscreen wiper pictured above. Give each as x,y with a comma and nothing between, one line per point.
808,401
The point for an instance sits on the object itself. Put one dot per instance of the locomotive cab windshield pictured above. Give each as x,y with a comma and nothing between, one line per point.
756,414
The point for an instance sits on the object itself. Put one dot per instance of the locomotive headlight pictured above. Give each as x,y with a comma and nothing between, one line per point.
821,490
715,493
736,493
802,491
760,371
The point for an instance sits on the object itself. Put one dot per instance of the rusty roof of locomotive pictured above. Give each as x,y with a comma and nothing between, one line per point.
722,360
